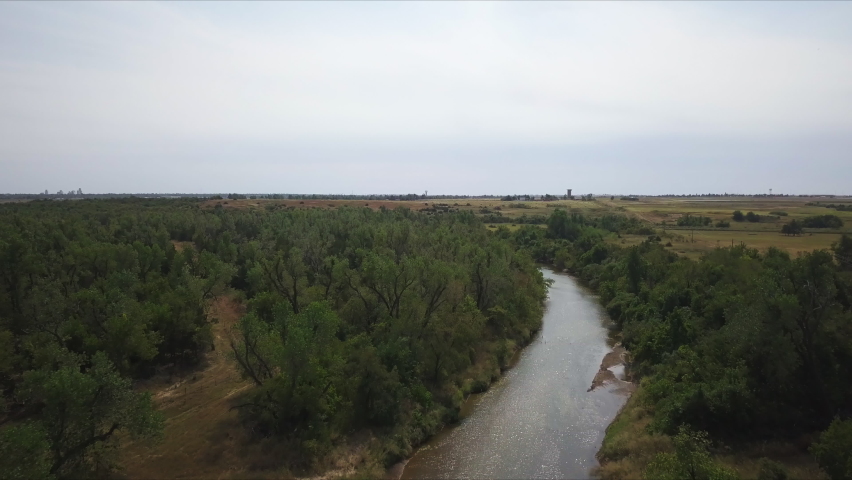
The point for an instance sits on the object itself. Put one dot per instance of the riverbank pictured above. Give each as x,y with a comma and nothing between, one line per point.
630,445
540,420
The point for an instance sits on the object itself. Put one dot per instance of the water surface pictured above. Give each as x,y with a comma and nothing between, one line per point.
539,420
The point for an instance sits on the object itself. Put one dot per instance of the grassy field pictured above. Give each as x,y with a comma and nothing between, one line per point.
660,212
664,212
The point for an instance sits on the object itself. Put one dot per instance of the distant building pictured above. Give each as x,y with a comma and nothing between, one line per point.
569,194
79,191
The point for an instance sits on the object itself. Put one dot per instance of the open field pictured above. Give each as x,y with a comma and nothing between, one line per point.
664,212
661,212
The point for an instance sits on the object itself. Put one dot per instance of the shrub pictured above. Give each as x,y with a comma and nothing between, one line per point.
823,221
832,450
738,216
691,459
792,228
770,470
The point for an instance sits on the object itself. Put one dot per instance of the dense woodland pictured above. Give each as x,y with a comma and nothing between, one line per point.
385,320
356,319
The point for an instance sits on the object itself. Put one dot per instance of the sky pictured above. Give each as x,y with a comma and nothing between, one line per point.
446,97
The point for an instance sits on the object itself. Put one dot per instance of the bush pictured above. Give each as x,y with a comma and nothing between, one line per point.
689,221
752,217
792,228
833,448
723,224
691,459
770,470
778,213
823,221
738,216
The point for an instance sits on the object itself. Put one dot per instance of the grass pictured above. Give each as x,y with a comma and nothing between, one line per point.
204,437
629,446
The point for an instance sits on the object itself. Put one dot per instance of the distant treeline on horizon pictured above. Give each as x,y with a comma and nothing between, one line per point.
388,197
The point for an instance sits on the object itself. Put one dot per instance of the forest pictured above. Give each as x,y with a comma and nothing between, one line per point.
355,319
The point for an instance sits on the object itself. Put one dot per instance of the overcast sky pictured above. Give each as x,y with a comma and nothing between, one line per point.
397,97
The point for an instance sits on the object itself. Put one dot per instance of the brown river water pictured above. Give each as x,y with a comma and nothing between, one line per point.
540,420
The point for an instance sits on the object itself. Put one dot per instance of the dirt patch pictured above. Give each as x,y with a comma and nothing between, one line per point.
179,246
202,437
606,375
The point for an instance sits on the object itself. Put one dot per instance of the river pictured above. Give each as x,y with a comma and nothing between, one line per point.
539,420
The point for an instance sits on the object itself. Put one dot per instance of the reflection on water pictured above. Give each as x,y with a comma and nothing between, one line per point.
539,420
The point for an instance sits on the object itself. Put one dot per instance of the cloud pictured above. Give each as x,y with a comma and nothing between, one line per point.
80,84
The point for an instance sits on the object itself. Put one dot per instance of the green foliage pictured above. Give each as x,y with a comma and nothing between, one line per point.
737,341
690,460
792,228
82,409
833,448
738,216
689,221
770,470
356,318
822,221
24,453
843,252
360,318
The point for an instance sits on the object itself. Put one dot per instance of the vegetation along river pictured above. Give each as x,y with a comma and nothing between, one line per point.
540,420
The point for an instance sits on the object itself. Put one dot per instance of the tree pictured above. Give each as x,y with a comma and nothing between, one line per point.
286,273
792,228
82,409
297,363
843,252
24,452
691,460
738,216
833,450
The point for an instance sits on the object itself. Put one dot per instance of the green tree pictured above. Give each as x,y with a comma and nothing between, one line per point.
25,452
843,252
691,460
833,450
82,411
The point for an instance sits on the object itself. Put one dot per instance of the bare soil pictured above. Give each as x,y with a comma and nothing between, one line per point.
605,376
